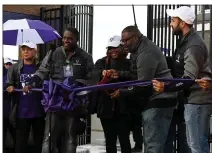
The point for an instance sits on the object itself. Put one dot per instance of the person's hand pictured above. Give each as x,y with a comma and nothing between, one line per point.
115,94
114,74
105,72
10,89
26,89
158,86
205,84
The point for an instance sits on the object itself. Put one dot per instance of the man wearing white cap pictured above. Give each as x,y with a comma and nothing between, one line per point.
29,111
191,61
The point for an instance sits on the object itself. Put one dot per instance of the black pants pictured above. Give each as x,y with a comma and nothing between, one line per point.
113,127
23,132
136,127
7,127
63,127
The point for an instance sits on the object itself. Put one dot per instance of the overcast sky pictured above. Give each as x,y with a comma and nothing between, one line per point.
110,20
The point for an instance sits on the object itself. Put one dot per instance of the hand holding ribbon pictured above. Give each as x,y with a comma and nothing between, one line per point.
114,74
10,89
158,86
205,84
27,89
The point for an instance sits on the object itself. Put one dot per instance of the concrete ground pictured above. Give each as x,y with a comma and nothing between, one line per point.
98,144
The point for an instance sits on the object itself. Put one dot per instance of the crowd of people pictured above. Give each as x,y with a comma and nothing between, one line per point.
151,112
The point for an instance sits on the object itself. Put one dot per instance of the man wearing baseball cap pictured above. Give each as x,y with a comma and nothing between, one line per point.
28,108
191,61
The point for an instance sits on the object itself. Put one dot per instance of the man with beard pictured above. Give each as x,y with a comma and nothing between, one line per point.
66,61
148,62
191,61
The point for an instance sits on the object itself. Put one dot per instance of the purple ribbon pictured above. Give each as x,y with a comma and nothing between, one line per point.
110,85
54,92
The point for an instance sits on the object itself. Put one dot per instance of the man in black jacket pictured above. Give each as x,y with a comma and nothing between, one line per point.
148,62
66,61
191,61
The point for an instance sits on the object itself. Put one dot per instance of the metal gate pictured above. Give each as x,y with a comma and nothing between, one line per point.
161,33
80,17
53,17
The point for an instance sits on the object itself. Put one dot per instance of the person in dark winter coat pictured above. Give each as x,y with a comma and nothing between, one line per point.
113,113
7,126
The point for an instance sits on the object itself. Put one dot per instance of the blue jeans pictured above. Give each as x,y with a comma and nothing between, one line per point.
156,123
197,119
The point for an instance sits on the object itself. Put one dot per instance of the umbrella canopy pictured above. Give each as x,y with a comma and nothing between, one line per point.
15,32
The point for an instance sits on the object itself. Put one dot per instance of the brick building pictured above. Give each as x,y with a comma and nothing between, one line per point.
27,9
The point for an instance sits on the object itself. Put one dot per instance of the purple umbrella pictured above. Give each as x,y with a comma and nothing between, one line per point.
15,32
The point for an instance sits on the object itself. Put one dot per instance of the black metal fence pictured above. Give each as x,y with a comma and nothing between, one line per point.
161,33
80,17
53,17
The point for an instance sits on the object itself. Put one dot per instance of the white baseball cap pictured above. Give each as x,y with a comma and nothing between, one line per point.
8,60
114,41
29,44
185,13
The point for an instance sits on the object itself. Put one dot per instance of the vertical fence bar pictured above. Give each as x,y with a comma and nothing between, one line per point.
173,37
210,47
150,21
169,34
61,23
195,25
84,27
203,21
155,23
166,26
91,29
162,27
55,23
159,25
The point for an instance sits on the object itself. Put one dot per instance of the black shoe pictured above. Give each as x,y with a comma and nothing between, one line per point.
137,148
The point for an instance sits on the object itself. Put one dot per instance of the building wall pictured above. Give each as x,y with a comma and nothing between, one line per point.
27,9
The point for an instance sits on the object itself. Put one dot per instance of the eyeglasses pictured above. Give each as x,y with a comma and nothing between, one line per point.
123,41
